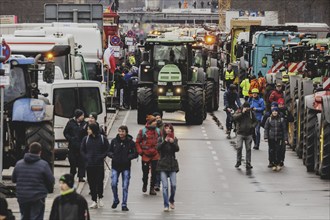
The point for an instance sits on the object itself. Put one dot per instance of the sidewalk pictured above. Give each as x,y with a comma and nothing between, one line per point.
61,167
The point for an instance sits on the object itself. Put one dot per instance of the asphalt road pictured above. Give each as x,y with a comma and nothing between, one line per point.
209,187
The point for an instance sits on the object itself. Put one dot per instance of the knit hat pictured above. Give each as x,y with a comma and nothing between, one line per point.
78,113
93,115
150,119
280,101
68,179
156,114
274,104
275,109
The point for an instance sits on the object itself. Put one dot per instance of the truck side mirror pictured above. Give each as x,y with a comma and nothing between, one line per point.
49,73
77,64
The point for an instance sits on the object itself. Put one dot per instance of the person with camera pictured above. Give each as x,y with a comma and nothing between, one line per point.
231,103
245,123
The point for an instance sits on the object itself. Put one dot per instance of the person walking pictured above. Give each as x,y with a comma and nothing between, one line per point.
69,205
146,145
231,103
122,150
160,126
74,132
34,180
276,135
276,94
245,85
246,121
262,84
253,84
92,119
229,76
258,106
94,148
168,165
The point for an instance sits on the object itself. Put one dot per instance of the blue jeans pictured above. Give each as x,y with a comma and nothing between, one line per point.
126,176
163,176
256,137
32,210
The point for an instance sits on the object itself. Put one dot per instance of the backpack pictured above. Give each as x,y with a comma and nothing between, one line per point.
144,131
101,138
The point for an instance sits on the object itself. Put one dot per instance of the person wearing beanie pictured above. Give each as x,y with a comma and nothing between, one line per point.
168,165
69,205
5,213
94,149
258,106
92,119
277,137
146,145
246,122
74,132
267,114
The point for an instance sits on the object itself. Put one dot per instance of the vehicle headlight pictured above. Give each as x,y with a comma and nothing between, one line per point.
178,90
145,70
160,90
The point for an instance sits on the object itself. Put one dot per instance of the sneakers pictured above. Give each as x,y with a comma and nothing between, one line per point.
281,164
172,206
256,147
278,168
270,165
157,189
93,206
238,164
166,209
248,166
114,205
124,208
100,203
82,180
152,191
144,188
274,168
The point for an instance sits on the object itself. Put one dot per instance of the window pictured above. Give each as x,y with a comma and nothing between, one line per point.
17,87
65,102
90,100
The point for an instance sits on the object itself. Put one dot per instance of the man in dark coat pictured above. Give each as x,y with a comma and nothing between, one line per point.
122,151
74,132
232,103
69,205
34,180
246,122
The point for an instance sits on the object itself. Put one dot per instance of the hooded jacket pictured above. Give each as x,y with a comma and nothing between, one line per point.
71,206
146,145
276,129
246,122
167,161
275,95
259,105
33,178
122,152
231,100
94,149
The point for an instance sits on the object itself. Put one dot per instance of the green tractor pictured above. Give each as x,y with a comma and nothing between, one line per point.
169,82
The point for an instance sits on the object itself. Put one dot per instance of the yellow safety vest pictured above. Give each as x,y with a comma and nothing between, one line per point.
230,75
112,89
245,85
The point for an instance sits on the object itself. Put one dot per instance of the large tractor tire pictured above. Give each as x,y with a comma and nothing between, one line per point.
295,125
210,96
311,130
216,96
324,168
195,106
42,133
287,96
145,104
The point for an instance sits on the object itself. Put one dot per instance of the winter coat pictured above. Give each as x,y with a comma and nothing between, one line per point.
264,118
253,85
275,96
94,149
245,122
74,133
259,106
167,161
146,145
231,100
122,152
276,129
33,178
245,85
71,206
262,84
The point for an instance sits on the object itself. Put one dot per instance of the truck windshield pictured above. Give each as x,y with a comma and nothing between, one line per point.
67,100
94,71
16,88
168,54
62,62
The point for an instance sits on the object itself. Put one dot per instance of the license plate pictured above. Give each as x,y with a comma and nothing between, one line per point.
169,94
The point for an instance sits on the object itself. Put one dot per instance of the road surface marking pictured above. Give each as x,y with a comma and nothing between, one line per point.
210,147
208,142
220,170
126,116
205,135
215,158
213,152
217,163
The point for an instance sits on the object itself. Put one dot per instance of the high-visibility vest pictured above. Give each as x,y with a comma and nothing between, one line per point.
230,75
245,85
112,89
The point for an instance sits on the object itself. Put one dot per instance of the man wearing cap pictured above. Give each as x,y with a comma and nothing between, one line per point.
34,180
258,106
146,145
92,119
276,94
276,135
74,132
246,122
69,205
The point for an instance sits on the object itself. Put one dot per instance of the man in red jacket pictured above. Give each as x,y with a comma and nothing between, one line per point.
146,145
276,93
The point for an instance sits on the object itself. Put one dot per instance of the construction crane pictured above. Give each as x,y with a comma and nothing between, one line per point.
223,6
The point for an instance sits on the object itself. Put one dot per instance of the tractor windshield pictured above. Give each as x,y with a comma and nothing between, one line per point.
170,54
16,87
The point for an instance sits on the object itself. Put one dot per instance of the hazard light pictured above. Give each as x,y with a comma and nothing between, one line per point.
209,39
50,56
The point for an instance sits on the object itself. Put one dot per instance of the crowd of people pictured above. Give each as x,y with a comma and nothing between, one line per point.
264,106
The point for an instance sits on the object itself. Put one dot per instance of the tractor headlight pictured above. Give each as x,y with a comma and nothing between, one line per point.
160,90
178,90
145,70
